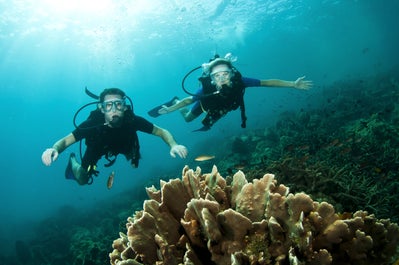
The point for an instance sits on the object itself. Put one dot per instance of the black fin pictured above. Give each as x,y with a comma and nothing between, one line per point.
154,112
68,171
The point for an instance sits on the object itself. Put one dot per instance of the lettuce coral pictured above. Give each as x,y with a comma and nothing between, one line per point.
200,219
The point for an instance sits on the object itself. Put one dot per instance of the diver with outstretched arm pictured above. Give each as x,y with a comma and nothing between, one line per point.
222,91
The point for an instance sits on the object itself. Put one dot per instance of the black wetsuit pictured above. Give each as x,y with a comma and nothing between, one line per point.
102,140
218,105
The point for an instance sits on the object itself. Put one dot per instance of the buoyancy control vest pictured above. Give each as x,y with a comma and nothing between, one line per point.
216,105
113,141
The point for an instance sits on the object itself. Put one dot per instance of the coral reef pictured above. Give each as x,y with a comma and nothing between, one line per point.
343,150
202,219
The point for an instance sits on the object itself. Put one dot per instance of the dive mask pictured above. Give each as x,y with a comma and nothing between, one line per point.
116,104
221,76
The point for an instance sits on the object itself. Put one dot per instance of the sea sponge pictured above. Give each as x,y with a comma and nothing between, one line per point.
200,220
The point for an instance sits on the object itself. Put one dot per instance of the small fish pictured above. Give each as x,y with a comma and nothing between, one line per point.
304,147
204,158
358,140
239,166
345,150
289,147
345,215
304,158
334,142
110,181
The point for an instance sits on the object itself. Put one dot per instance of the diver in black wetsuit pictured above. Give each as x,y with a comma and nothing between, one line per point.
110,130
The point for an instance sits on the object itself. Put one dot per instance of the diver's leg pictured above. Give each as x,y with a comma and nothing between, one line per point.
190,115
79,172
83,173
187,115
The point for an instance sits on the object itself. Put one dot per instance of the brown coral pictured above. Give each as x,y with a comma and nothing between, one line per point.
201,220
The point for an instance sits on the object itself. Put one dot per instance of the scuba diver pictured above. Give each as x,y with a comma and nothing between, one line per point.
110,130
222,91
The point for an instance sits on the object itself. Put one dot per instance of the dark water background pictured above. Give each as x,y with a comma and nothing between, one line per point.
51,50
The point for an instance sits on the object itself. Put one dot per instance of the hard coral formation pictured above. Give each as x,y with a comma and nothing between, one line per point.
200,219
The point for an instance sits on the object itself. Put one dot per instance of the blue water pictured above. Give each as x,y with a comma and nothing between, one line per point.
49,52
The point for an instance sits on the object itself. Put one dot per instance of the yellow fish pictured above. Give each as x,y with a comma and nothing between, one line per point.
110,181
204,158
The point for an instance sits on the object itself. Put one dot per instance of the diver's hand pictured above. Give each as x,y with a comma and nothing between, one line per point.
49,156
302,84
180,150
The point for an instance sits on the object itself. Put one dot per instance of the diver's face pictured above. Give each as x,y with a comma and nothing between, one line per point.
113,107
221,75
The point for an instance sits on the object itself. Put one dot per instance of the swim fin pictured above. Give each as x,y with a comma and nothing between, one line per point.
68,171
154,112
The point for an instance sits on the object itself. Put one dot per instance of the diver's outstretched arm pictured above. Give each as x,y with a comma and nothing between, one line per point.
167,137
300,83
51,154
